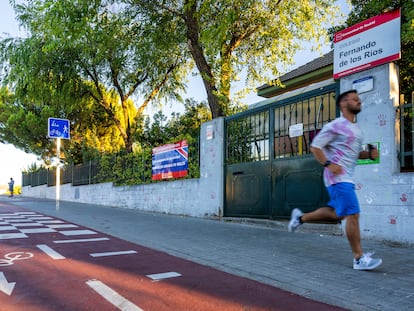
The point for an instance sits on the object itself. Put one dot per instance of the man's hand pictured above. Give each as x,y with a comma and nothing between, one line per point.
335,169
372,152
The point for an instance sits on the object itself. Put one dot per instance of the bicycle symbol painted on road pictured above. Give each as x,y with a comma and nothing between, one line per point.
9,258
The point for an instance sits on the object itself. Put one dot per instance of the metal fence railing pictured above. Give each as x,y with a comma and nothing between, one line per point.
82,174
264,133
407,137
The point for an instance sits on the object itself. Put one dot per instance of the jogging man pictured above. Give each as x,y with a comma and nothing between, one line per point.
338,147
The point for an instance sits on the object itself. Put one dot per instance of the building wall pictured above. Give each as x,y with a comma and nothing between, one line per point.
194,197
385,194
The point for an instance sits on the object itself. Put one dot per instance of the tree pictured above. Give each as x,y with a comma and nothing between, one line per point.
135,168
362,10
226,37
89,50
163,130
19,125
195,114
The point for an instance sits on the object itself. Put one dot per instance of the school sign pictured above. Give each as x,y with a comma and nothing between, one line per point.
373,42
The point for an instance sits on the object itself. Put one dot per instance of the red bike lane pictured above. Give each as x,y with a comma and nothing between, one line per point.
47,263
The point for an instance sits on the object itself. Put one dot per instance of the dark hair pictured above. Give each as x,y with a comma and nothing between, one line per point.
344,94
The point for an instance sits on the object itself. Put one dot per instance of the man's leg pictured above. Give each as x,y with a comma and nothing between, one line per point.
322,213
353,234
351,228
361,261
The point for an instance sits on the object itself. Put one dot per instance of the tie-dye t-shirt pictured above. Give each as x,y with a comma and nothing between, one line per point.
341,141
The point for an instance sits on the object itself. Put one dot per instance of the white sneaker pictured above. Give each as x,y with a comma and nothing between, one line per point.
294,219
366,262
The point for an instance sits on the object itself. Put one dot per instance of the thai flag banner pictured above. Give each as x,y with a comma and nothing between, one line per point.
170,161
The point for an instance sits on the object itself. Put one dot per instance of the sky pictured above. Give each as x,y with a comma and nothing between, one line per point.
13,161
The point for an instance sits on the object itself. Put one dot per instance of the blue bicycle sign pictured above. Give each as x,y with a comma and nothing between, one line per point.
58,128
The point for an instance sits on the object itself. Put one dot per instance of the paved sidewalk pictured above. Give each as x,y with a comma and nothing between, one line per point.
314,265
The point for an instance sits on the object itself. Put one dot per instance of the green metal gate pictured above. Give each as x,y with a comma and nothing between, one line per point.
269,170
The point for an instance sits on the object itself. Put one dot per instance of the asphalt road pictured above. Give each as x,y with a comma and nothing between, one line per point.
51,263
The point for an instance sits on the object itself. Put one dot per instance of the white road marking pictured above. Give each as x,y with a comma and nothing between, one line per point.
40,218
165,275
113,253
112,296
51,222
50,252
27,224
6,236
81,240
62,226
10,258
38,230
77,232
5,286
6,228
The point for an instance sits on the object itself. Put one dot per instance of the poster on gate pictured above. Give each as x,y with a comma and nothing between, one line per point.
170,161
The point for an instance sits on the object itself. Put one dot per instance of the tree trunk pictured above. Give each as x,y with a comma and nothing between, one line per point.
200,61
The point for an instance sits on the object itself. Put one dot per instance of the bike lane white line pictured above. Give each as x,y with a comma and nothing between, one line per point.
81,240
106,254
112,296
50,252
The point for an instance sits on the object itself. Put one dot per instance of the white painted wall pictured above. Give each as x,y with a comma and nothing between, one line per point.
385,194
193,197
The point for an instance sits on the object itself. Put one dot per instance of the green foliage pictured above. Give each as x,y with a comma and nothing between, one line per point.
227,37
32,168
16,190
99,63
89,61
19,124
125,168
135,168
162,131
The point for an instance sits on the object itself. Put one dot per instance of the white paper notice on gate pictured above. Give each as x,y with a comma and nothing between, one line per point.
296,130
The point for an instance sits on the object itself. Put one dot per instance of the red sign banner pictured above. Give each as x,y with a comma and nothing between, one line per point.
371,43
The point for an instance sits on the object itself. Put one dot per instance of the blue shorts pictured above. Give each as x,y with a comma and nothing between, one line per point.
343,199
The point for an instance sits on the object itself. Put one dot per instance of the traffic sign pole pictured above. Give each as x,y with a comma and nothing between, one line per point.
58,128
58,174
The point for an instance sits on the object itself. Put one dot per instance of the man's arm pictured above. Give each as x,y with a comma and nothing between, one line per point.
319,155
322,159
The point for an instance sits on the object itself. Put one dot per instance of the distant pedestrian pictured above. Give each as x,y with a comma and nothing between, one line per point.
11,186
337,147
